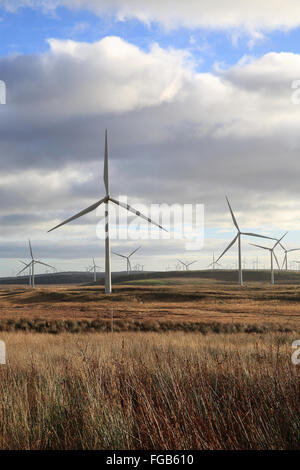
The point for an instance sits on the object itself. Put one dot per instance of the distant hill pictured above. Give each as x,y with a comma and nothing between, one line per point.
220,275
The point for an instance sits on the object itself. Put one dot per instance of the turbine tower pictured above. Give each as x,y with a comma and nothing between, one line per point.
129,269
94,268
187,265
32,264
285,259
238,239
106,201
272,254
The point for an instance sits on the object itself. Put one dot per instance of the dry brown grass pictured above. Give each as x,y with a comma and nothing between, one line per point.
203,302
149,391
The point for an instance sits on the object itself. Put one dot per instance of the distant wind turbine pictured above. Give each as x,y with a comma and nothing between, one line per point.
187,265
129,269
285,259
29,271
297,263
214,263
238,239
272,254
106,201
94,268
31,265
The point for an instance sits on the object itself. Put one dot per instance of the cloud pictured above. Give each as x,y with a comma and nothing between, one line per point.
175,135
249,15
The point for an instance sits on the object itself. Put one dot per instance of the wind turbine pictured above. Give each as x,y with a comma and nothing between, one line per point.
238,239
94,268
31,265
297,264
214,263
272,253
106,201
127,258
187,265
285,259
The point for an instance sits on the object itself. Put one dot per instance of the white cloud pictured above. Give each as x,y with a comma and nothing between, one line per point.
250,15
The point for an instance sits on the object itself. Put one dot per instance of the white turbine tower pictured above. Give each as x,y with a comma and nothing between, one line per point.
129,269
106,201
238,239
186,265
272,254
94,268
32,264
285,259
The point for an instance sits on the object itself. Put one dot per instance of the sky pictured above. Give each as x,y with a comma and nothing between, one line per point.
199,103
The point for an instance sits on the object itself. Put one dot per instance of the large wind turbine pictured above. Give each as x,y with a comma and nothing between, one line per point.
187,265
31,265
94,268
106,201
127,258
285,259
272,253
238,239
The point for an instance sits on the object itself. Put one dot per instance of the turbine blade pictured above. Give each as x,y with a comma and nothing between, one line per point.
259,246
250,234
229,246
276,260
278,241
44,264
134,251
85,211
282,246
294,249
122,256
138,213
105,174
189,264
30,248
22,262
232,214
27,266
283,261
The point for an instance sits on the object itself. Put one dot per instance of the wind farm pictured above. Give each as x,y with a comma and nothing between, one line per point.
150,228
180,310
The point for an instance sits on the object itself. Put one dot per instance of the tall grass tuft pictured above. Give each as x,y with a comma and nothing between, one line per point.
149,391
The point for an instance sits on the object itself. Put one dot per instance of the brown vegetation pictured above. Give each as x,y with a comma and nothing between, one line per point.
149,391
202,302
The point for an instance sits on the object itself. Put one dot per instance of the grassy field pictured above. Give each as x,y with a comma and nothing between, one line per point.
135,307
149,391
188,365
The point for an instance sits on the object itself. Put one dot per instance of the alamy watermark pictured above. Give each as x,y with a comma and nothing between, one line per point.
2,92
296,354
180,222
2,353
